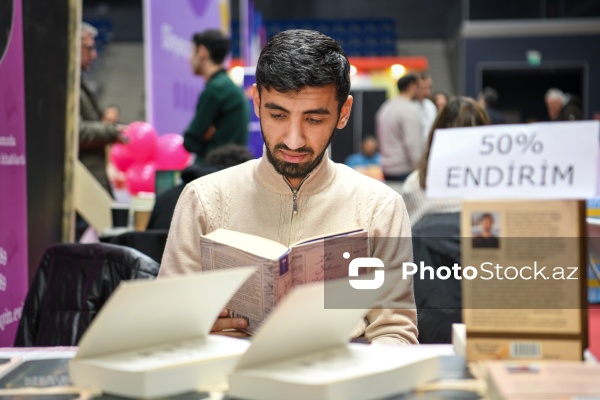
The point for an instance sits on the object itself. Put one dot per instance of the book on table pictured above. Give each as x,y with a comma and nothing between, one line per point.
279,268
151,338
549,380
302,351
526,294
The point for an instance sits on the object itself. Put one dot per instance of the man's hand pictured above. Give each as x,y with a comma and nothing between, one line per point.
227,326
210,132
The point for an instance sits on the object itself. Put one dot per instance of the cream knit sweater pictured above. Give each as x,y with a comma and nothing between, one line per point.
253,198
419,205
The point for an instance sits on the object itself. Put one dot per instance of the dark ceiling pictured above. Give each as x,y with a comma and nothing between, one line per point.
415,19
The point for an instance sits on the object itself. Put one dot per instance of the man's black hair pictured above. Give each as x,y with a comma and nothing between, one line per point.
295,59
487,215
405,81
491,96
217,159
215,41
228,155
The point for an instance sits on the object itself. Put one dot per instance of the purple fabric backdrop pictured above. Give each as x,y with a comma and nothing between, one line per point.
171,88
255,140
13,195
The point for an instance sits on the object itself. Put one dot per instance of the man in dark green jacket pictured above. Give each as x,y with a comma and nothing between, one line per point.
222,112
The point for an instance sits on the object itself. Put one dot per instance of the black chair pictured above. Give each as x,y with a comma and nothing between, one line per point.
150,242
72,283
436,242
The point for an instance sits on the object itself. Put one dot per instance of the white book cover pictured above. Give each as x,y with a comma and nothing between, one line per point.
152,339
302,351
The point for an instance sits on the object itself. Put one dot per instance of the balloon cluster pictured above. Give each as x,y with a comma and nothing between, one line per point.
145,153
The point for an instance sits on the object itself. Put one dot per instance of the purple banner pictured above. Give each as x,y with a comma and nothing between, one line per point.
255,140
171,88
13,184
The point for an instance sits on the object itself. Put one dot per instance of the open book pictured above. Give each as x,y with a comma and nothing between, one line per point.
151,338
279,268
302,352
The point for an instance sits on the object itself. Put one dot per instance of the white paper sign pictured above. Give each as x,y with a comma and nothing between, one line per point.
553,160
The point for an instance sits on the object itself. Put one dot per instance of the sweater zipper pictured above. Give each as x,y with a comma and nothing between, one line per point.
294,201
295,195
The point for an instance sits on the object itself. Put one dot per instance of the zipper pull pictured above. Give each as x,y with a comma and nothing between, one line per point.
294,202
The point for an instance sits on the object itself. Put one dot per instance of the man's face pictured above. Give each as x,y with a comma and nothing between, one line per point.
88,51
424,89
554,106
486,224
413,91
195,58
369,147
111,115
297,127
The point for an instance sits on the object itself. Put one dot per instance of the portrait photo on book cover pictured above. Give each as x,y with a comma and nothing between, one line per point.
485,230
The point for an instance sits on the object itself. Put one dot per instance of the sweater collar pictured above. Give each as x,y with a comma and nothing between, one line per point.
317,180
220,71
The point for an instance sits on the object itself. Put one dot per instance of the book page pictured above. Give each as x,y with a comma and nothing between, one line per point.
144,313
168,355
251,244
257,297
315,260
345,363
301,325
37,373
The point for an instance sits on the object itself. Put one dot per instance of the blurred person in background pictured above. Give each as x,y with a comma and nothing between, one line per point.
94,135
398,126
222,112
562,107
220,158
427,109
440,99
367,161
459,112
436,232
111,115
488,99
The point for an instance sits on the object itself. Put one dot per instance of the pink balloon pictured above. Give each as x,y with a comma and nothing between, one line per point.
140,177
170,153
142,140
121,157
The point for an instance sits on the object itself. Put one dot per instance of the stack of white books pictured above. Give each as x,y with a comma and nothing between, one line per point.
302,351
151,338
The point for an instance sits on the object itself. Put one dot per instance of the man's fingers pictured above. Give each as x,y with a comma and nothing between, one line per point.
224,313
228,323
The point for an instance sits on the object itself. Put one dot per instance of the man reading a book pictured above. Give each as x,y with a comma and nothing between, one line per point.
295,191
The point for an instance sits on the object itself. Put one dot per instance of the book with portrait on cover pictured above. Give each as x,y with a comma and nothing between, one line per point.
524,296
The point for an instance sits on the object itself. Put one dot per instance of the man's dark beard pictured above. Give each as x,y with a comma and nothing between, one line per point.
291,170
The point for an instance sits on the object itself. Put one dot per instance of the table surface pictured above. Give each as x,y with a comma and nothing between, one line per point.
49,365
453,368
